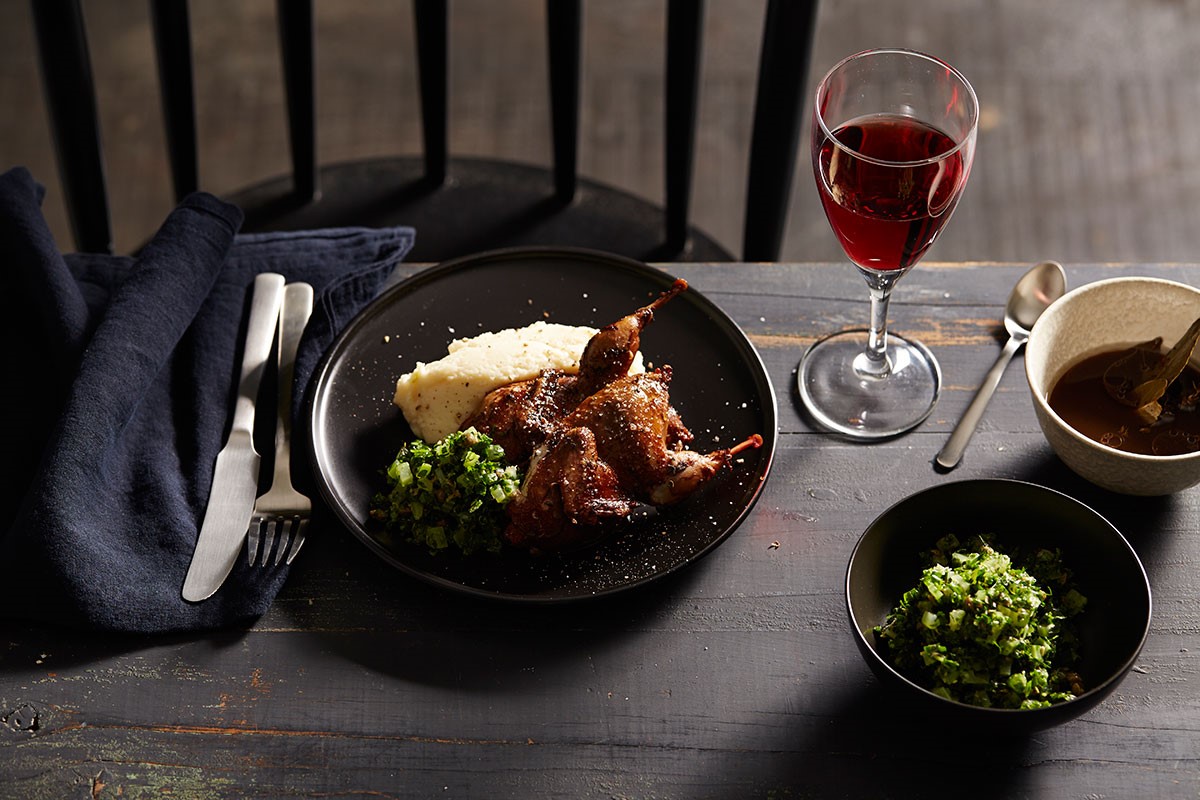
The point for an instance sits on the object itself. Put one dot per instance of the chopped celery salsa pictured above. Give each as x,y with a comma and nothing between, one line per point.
449,494
981,629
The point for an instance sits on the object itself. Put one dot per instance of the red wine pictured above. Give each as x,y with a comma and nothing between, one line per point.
888,215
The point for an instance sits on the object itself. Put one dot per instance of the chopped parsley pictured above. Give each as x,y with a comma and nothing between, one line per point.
983,630
452,493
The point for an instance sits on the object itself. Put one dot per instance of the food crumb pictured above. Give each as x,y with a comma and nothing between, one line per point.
773,545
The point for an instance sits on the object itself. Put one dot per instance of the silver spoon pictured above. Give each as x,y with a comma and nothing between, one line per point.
1033,294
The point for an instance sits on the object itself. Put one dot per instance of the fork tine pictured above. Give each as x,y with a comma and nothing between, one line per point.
284,534
266,551
252,540
298,539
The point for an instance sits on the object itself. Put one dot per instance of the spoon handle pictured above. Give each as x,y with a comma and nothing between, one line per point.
952,452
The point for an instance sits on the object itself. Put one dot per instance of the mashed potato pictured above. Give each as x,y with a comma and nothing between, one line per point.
438,396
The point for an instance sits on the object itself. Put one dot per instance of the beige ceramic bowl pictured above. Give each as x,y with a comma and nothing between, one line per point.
1107,315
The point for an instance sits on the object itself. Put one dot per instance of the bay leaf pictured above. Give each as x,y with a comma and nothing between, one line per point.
1177,358
1141,376
1131,370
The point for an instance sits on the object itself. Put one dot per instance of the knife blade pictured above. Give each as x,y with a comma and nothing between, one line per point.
235,476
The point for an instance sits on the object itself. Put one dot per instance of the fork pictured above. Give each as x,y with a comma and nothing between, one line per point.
281,509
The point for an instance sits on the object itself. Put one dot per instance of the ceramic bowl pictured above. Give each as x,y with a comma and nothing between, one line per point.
887,561
1108,315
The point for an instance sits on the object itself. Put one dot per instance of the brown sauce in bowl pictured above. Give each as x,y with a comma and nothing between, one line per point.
1080,398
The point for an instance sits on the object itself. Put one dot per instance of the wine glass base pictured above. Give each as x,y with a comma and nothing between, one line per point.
862,406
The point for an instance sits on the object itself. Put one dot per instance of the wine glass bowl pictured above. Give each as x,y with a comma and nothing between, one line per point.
888,185
893,140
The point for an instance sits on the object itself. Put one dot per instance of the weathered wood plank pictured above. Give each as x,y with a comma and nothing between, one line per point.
734,678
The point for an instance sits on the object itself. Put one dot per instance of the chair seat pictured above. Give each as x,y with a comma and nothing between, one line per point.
483,205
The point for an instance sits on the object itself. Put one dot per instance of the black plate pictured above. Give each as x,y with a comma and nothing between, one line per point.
719,387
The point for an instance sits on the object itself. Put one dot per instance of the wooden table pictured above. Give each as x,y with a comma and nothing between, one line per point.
736,678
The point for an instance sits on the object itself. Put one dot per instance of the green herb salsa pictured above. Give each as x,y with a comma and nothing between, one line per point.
983,630
449,494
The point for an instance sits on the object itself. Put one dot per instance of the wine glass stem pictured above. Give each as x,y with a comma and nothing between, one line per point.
873,362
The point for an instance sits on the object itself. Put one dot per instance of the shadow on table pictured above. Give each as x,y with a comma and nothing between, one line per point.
354,604
40,647
373,615
868,743
1141,520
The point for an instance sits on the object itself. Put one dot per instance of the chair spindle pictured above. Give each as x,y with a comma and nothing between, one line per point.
173,50
74,120
296,35
685,28
564,33
430,19
778,115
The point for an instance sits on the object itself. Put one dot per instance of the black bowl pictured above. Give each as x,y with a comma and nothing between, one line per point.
1112,629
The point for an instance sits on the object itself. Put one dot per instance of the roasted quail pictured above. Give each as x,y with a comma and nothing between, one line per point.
568,493
599,444
520,416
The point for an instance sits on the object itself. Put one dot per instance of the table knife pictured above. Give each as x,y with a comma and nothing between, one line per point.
235,477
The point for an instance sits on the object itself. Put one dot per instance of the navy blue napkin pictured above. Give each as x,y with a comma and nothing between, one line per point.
118,387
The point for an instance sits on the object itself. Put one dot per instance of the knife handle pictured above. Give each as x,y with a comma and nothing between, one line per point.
266,299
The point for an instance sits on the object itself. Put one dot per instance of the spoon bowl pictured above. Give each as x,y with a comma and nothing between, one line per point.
1033,294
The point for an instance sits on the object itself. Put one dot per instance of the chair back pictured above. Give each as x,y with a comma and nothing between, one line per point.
783,66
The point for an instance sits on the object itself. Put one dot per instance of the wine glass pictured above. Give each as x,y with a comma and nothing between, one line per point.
893,137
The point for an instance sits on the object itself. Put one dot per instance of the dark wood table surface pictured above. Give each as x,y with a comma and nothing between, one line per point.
735,678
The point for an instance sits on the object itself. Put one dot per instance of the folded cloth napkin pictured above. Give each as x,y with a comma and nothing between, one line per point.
119,387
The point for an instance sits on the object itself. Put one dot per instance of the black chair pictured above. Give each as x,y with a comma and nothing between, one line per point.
488,203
